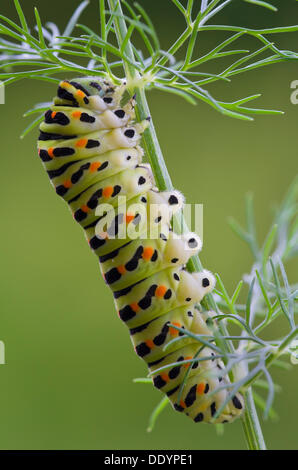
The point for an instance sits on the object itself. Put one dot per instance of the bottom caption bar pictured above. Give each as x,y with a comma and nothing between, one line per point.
149,458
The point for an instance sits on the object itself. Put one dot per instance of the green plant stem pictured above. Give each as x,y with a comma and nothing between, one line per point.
251,425
250,421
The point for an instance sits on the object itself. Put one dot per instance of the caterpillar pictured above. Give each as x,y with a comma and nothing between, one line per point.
89,144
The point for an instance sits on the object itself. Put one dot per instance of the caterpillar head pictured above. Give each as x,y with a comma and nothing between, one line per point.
95,85
111,95
194,286
93,92
180,248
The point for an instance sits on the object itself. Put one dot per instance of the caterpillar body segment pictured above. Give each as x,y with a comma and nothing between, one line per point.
94,143
196,400
127,184
160,293
90,147
151,338
80,121
140,217
144,257
75,176
93,95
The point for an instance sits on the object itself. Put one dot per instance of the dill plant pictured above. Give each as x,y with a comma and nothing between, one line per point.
45,52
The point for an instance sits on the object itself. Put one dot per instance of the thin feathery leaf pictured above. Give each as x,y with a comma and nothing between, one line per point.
32,125
262,4
156,412
74,19
21,16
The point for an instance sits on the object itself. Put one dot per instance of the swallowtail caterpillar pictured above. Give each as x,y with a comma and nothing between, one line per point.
90,147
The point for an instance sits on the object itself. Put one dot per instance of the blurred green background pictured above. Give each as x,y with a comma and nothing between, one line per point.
68,383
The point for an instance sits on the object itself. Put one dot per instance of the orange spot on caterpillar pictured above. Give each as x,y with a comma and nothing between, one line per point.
85,208
94,166
76,114
160,291
173,331
53,114
200,388
81,143
121,269
182,403
50,152
147,253
186,359
80,93
129,218
38,151
135,307
65,85
165,377
67,184
150,343
107,191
